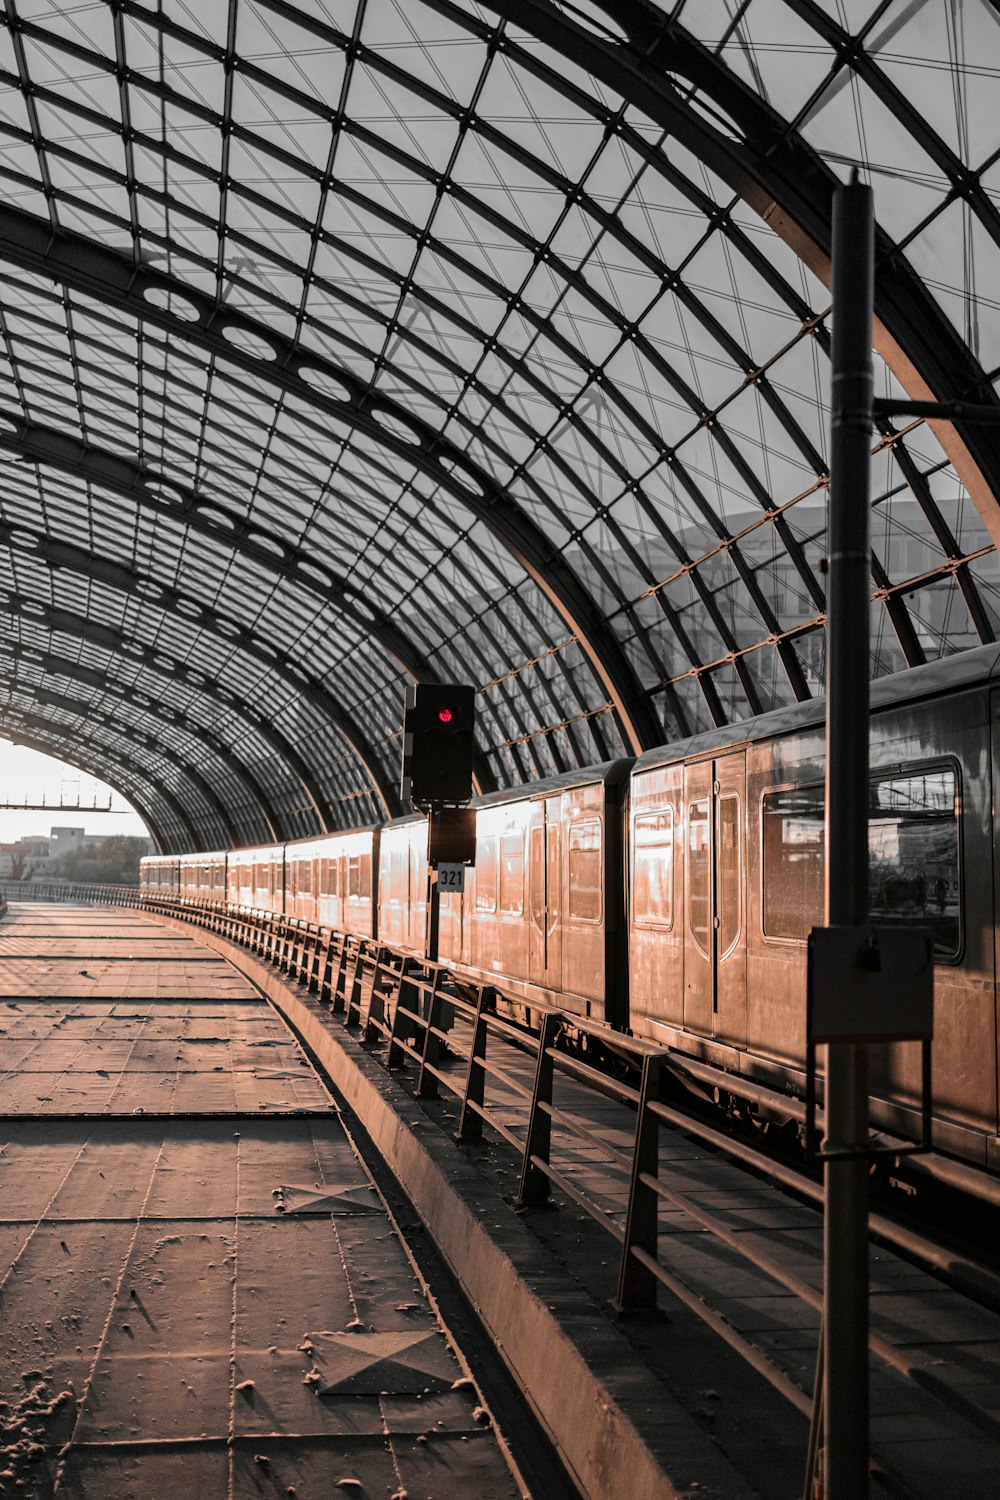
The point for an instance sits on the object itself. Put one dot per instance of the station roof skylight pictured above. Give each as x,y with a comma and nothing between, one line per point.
348,343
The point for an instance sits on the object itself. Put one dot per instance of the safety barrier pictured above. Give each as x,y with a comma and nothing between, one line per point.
69,890
411,1005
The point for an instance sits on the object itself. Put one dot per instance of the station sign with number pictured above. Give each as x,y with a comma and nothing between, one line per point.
451,879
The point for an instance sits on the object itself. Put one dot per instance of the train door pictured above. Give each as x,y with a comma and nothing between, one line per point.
715,928
544,885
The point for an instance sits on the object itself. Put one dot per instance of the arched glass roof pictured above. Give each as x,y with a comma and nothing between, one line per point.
348,343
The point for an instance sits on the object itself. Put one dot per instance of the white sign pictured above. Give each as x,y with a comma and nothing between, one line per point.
451,878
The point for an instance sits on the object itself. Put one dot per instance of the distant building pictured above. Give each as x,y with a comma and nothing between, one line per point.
72,841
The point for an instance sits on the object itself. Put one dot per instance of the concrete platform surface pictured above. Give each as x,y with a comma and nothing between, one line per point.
194,1306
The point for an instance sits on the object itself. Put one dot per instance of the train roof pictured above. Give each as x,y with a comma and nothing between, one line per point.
606,771
950,674
336,835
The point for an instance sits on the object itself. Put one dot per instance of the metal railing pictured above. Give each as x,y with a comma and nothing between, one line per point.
412,1006
69,890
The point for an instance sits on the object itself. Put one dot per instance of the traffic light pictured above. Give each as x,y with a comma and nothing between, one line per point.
438,743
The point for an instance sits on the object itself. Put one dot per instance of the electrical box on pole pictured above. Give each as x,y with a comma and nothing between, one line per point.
438,744
451,836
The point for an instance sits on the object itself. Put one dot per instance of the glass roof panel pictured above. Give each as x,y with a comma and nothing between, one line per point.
443,315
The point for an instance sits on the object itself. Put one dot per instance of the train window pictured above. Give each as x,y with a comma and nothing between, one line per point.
584,895
729,873
512,870
699,871
486,875
536,878
359,877
653,868
913,854
794,828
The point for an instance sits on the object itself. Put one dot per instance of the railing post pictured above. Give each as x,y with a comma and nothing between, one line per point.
470,1123
338,985
353,987
376,1000
407,998
636,1282
430,1054
534,1188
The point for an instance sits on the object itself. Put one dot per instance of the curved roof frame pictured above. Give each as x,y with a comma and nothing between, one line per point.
113,279
113,471
766,164
191,824
791,187
170,669
172,666
64,667
139,796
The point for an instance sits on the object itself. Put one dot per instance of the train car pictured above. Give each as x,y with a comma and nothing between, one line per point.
159,875
329,880
256,878
203,876
542,911
726,879
402,884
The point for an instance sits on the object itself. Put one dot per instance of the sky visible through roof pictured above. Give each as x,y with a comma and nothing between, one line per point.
348,343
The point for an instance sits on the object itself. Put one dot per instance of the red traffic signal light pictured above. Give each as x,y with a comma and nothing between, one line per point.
438,744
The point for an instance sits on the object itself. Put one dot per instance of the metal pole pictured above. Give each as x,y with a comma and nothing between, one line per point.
434,896
845,1295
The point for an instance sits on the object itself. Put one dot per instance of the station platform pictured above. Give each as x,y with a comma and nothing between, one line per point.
204,1294
238,1141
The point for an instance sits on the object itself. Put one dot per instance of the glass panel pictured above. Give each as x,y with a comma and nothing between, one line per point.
486,875
536,879
585,871
793,861
512,871
913,854
653,868
699,904
729,879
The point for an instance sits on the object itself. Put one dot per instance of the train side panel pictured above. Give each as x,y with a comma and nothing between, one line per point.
402,881
656,899
202,877
256,878
542,910
159,875
931,862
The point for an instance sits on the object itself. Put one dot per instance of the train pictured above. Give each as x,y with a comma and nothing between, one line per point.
670,897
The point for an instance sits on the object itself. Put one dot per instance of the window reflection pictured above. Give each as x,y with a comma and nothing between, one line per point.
913,857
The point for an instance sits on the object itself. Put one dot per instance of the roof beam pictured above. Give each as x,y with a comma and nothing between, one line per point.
48,447
171,667
136,799
63,666
790,186
141,291
104,766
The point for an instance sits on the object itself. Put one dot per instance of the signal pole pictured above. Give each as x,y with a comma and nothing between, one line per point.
845,1291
